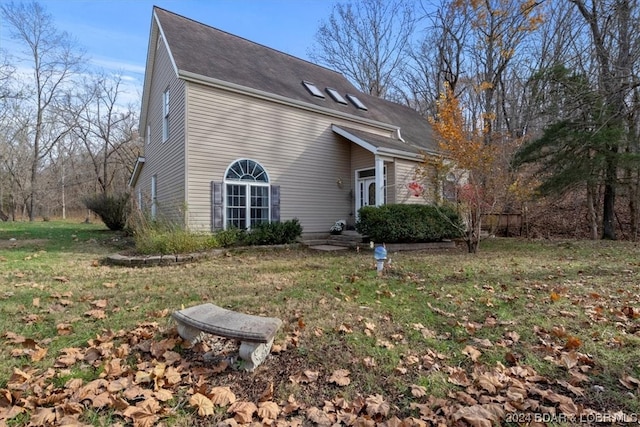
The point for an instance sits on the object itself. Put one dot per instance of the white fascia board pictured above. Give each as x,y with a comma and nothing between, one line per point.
232,87
155,32
351,137
136,171
381,151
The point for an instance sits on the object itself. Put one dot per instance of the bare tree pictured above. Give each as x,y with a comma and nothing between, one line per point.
106,129
437,60
54,59
365,40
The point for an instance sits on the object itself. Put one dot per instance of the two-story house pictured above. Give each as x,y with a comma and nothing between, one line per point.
236,133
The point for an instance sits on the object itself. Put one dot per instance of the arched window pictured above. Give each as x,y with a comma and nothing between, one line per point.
247,195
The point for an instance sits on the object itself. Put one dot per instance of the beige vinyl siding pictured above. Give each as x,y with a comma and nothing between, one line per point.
297,148
165,159
361,158
405,171
391,181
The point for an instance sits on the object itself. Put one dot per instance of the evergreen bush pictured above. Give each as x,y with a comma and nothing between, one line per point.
402,223
274,233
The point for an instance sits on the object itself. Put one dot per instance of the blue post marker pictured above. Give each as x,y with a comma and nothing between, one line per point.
380,254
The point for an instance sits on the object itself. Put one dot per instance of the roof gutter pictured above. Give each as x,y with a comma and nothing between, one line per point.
372,148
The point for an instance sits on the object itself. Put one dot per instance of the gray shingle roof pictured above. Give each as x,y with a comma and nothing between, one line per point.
206,51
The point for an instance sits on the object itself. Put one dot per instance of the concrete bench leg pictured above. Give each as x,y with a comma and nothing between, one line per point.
254,353
189,333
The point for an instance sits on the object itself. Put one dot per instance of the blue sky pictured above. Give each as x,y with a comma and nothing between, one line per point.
115,32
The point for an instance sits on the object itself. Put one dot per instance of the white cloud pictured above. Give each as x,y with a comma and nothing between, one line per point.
117,65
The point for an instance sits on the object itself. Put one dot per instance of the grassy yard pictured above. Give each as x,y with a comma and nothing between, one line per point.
522,331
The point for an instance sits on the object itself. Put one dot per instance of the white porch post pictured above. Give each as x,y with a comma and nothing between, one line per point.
379,181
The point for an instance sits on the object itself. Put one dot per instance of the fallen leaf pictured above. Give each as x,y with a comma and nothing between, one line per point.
38,354
340,377
513,336
268,410
344,328
267,394
479,415
569,360
305,377
222,396
144,414
369,362
163,395
64,328
100,303
203,403
572,343
243,411
42,417
376,405
458,376
630,382
418,390
36,302
319,417
14,338
102,400
96,314
472,352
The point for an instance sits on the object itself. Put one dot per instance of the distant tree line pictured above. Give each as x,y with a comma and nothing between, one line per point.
551,88
65,131
548,95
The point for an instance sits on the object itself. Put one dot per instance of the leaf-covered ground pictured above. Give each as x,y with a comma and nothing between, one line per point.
541,333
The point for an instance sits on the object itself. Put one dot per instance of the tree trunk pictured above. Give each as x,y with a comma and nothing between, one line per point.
473,232
591,206
608,210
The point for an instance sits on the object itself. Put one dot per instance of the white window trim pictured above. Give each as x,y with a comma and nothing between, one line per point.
357,187
154,196
247,184
165,115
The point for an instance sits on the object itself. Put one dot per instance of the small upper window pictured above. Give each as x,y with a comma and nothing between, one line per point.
313,90
165,115
356,102
336,96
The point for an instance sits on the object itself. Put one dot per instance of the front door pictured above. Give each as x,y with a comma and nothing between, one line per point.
366,188
368,192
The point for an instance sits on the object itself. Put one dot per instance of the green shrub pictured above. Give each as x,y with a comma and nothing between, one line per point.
229,237
113,210
398,223
159,241
274,233
152,237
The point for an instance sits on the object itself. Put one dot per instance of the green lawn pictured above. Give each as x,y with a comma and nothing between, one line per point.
523,329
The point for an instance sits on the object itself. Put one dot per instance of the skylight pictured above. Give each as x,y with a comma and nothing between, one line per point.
313,90
336,96
356,102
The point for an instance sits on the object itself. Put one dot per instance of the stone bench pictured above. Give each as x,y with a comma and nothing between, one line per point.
255,333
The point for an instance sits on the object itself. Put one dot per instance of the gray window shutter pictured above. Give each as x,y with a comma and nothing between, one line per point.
217,213
275,203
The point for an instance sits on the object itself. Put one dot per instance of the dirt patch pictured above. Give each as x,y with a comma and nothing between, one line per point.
10,244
